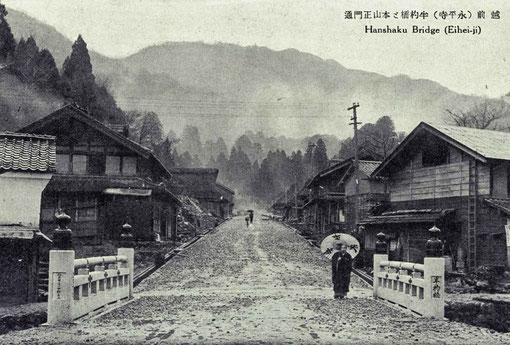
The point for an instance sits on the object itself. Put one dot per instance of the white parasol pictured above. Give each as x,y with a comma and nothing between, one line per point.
328,244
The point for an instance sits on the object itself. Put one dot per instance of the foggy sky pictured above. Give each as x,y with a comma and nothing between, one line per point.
464,63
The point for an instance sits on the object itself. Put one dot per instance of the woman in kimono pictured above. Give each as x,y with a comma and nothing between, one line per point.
341,266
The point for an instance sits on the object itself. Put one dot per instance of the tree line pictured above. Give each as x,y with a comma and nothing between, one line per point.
36,69
246,167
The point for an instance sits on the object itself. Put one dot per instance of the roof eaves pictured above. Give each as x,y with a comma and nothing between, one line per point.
430,128
82,115
454,142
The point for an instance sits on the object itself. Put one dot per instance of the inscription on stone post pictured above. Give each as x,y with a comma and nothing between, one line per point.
436,286
57,284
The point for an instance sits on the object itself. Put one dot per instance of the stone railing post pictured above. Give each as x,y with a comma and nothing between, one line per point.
128,250
434,276
381,254
61,274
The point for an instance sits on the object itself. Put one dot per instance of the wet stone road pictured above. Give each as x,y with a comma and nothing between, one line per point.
262,285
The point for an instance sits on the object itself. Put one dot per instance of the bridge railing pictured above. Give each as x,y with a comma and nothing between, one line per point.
418,287
78,287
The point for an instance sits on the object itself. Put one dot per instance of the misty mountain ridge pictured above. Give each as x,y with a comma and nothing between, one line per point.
225,89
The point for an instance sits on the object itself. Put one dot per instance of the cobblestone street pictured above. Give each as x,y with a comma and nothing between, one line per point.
261,285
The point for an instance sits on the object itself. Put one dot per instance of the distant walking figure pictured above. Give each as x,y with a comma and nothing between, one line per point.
341,266
251,217
247,219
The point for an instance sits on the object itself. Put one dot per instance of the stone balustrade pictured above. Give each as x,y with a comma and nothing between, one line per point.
78,287
417,287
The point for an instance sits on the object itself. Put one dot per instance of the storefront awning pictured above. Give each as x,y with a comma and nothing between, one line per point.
128,191
408,216
21,232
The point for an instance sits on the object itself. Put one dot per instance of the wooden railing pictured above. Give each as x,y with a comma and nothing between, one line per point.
418,287
82,286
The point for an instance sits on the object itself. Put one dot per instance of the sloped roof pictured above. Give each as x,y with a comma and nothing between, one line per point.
27,152
408,216
227,193
21,232
368,167
198,183
93,183
502,205
365,167
76,112
482,144
489,144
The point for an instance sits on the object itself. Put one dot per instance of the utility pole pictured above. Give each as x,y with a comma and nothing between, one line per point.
355,123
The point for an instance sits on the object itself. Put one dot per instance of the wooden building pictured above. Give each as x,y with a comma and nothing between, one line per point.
227,200
285,203
332,197
104,180
278,206
27,163
455,178
200,184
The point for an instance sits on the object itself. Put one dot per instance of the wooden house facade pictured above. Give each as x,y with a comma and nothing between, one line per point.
331,202
278,206
227,200
104,180
285,203
455,178
200,184
27,163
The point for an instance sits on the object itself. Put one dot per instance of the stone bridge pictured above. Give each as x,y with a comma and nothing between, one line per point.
258,285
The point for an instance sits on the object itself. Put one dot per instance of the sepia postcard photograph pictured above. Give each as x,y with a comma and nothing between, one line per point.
254,172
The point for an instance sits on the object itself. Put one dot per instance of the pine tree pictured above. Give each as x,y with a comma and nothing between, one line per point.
78,81
47,76
7,42
263,185
185,160
308,159
222,166
34,67
190,141
104,107
25,60
151,131
164,152
221,146
320,156
298,167
195,162
211,163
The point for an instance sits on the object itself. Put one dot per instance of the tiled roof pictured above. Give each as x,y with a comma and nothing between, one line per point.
90,183
93,183
500,204
490,144
21,232
368,167
225,192
408,216
27,152
198,183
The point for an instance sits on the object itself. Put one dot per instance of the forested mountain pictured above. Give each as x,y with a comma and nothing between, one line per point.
220,87
251,112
